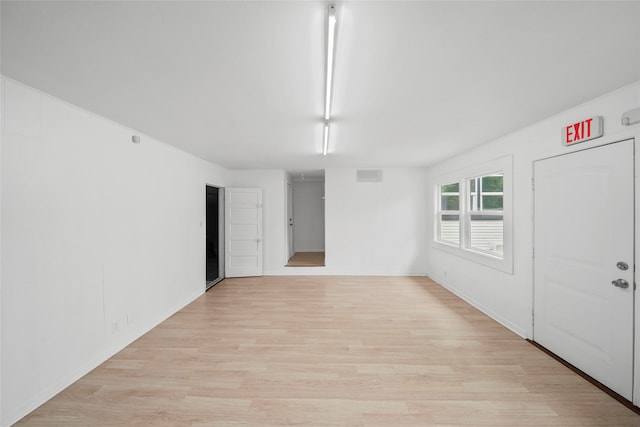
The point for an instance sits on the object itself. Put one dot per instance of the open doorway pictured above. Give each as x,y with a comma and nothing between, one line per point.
305,219
214,235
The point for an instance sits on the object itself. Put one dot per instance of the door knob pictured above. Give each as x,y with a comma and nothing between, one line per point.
620,283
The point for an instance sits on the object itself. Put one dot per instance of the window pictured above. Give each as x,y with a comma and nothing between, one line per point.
485,218
473,215
449,230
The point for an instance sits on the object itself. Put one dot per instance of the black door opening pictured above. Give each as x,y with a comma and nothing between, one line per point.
214,256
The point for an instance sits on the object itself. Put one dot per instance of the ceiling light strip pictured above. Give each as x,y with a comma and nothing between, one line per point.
331,33
325,143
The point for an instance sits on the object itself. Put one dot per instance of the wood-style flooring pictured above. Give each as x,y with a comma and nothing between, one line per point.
306,259
331,351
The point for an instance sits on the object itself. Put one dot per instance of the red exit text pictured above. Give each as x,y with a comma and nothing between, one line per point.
583,130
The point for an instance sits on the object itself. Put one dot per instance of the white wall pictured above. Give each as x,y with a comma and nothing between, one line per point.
508,297
308,216
2,121
369,228
376,228
101,240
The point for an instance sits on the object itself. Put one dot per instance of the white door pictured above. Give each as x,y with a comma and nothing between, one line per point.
584,232
243,232
290,219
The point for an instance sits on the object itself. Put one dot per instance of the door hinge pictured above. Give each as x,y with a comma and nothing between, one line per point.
533,184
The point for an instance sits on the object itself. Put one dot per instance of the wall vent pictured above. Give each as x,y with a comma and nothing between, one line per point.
369,175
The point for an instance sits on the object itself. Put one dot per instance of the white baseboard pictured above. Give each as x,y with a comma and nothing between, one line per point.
504,322
326,271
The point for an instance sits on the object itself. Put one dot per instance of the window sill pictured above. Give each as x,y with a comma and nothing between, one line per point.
503,264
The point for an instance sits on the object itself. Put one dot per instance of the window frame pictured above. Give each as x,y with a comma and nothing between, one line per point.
442,212
470,212
503,165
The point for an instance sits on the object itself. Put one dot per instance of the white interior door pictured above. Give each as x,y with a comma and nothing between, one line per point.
290,249
243,232
584,230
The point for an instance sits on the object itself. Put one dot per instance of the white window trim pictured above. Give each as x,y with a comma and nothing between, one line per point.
503,165
449,212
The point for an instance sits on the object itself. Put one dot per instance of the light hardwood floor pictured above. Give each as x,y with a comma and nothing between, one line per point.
306,259
338,351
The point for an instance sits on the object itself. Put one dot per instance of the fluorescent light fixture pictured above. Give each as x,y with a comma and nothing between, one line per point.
331,32
325,144
331,39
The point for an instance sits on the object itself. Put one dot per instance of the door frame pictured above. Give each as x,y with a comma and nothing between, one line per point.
256,236
289,220
221,235
613,375
633,132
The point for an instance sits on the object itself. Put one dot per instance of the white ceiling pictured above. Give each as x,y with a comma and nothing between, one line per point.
241,83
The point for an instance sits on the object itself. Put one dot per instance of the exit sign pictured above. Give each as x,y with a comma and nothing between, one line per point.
583,130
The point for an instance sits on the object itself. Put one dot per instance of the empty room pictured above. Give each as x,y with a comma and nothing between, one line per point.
349,213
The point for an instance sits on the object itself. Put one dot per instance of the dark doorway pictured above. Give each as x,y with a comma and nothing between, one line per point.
214,236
